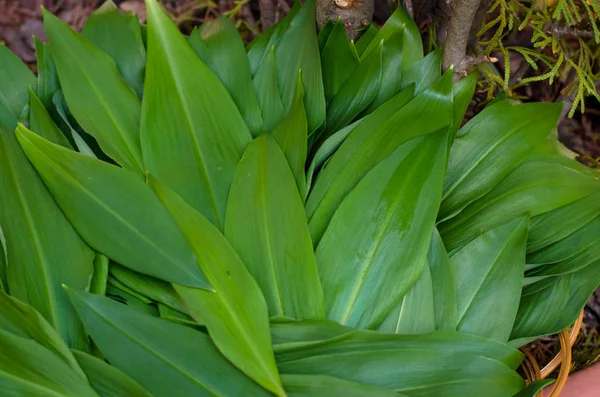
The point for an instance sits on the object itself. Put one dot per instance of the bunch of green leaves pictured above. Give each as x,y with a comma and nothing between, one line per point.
186,216
564,45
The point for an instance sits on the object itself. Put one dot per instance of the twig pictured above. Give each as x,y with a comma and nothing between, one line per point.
570,31
455,50
408,5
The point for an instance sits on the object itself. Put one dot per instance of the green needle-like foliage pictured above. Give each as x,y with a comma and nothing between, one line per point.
184,216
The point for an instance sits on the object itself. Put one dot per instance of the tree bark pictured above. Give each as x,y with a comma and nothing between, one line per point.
455,50
355,14
267,13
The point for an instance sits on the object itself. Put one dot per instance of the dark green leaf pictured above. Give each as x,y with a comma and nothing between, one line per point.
47,81
326,386
443,284
534,388
324,33
266,86
15,81
41,123
117,225
367,37
100,275
199,129
423,73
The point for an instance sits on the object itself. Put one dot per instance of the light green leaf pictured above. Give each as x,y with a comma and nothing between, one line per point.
266,86
199,129
463,92
442,280
382,227
218,43
161,356
47,81
41,123
326,386
358,91
116,225
487,275
107,380
29,369
99,99
533,187
534,388
369,144
65,124
42,248
235,313
165,312
120,295
287,331
291,135
150,287
112,33
100,275
15,81
266,224
490,146
299,48
423,73
367,37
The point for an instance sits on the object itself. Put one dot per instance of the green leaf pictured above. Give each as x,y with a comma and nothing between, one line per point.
29,369
339,60
463,92
99,99
3,263
285,330
47,81
409,371
118,284
533,187
100,275
161,356
299,48
165,312
38,239
41,123
326,386
416,313
15,81
442,280
199,129
358,91
24,321
266,86
235,313
291,135
490,146
218,43
487,275
120,295
71,127
107,380
266,224
150,287
112,33
116,225
367,37
423,73
324,34
370,143
382,227
534,388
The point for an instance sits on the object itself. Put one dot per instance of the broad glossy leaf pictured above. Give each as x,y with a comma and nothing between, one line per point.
412,51
266,224
98,97
356,93
193,141
423,73
119,295
339,60
550,227
534,388
132,229
267,89
112,33
29,369
100,275
366,38
218,43
409,371
393,124
382,228
487,275
463,92
533,187
442,280
148,286
24,321
326,386
491,145
325,339
108,380
235,313
42,248
161,356
299,48
15,80
416,313
47,81
291,135
324,33
42,124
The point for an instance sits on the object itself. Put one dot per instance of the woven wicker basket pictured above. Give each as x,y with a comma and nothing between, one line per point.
563,358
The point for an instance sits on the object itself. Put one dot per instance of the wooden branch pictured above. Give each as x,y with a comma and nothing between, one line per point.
455,50
355,14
